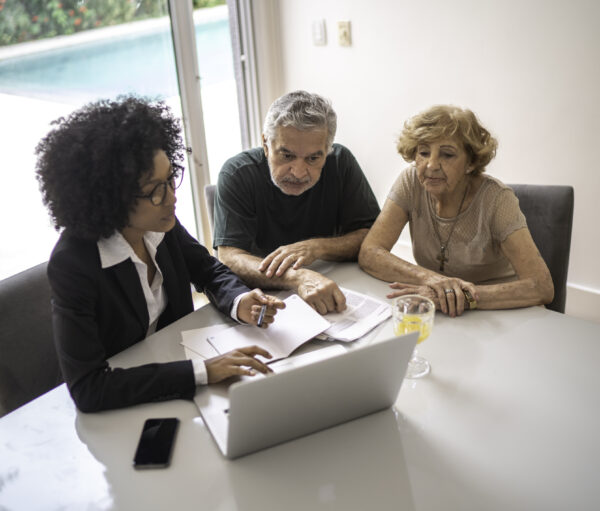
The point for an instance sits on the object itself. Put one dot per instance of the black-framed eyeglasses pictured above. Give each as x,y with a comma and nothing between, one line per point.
159,192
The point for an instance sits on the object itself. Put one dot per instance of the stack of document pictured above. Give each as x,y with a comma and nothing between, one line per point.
362,314
293,326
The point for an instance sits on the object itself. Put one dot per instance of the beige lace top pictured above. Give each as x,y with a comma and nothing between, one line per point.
474,248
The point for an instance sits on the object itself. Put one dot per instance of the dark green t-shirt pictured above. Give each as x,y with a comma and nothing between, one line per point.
252,214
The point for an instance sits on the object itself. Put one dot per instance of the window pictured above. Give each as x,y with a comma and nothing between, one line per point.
57,56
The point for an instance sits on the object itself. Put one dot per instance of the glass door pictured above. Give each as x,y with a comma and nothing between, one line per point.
56,56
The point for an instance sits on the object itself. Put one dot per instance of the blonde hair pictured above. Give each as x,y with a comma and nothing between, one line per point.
447,121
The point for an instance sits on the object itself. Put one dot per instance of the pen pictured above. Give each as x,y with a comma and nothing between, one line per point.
261,316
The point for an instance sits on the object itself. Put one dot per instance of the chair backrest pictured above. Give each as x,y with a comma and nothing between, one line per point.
209,195
549,213
28,362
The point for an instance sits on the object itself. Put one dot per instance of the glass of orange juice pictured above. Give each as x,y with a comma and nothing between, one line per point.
412,313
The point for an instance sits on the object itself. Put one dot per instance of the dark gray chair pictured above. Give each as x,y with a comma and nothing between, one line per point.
549,213
28,361
209,195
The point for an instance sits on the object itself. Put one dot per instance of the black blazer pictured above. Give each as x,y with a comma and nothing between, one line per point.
98,313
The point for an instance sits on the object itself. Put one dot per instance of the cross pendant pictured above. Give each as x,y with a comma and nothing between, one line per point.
442,258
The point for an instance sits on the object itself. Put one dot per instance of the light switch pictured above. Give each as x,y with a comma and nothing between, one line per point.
344,34
319,34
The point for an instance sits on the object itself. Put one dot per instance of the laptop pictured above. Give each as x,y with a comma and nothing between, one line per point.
307,393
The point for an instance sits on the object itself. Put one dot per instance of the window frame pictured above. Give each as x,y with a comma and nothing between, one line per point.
188,75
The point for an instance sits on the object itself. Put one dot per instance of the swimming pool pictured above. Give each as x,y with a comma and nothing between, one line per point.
142,63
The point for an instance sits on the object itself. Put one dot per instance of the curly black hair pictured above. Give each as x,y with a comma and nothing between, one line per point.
90,164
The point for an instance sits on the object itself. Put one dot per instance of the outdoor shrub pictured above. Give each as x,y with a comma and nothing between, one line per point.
27,20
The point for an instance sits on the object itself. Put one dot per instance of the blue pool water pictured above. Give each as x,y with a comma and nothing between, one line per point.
141,63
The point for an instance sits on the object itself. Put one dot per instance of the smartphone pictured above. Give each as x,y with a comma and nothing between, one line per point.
156,443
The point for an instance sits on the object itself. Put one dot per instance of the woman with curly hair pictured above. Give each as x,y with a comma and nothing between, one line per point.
470,239
123,264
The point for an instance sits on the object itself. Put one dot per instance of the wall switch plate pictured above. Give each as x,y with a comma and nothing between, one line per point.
319,34
344,34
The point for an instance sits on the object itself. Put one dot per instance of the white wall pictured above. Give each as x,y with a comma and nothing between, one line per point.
530,69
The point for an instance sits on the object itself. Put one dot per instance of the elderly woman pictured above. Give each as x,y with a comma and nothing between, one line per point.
470,239
123,264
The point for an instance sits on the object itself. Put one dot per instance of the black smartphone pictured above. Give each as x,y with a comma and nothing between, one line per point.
156,443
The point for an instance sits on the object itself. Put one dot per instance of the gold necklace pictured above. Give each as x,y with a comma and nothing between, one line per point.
443,257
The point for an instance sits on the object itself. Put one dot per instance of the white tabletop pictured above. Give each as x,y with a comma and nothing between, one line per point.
508,419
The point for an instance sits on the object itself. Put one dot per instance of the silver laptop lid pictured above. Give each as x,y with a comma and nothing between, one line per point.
309,398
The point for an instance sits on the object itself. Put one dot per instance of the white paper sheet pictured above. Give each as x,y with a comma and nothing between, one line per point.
197,340
293,326
363,313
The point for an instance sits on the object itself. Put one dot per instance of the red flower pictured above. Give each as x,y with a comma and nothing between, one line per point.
97,23
82,9
34,18
71,12
77,22
60,6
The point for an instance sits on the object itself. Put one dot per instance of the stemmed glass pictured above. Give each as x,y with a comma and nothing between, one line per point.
414,313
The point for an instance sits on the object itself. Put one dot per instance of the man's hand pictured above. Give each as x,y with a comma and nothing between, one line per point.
322,294
251,304
236,363
295,255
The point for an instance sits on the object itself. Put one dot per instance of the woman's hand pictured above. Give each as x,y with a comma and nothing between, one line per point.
251,304
449,293
236,363
445,292
412,289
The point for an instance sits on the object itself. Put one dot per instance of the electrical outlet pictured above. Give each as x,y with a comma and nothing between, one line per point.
319,34
344,35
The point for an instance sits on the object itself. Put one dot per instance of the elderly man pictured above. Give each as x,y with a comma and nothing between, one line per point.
296,199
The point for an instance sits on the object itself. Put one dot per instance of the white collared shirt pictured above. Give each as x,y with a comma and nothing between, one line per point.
115,250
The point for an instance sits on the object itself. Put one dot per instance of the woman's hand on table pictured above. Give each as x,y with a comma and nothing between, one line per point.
450,295
238,362
445,292
251,304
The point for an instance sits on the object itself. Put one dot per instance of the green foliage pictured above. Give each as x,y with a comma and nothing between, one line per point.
201,4
27,20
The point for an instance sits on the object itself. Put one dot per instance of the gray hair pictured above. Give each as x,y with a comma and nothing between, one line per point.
303,111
